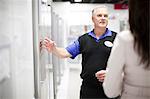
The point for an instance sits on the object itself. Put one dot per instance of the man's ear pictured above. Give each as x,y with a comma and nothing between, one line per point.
92,18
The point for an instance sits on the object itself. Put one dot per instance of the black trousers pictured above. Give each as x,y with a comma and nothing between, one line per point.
92,91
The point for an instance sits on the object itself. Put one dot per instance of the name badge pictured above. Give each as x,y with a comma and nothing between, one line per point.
108,44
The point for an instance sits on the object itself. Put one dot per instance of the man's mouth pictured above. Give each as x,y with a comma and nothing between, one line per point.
102,22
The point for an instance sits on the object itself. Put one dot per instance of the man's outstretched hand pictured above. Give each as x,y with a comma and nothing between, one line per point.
48,44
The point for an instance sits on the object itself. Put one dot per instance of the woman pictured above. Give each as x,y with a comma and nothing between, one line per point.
128,68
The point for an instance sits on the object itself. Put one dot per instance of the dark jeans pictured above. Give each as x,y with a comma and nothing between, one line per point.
90,90
101,98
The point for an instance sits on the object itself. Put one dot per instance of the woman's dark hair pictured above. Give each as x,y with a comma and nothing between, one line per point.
139,26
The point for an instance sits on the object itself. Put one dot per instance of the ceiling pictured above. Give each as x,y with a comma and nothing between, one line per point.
96,1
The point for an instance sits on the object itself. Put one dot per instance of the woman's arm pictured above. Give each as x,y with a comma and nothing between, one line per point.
114,76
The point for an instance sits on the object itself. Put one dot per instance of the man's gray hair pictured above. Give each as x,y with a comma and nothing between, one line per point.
98,7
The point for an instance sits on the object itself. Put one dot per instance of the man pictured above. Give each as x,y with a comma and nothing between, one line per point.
95,48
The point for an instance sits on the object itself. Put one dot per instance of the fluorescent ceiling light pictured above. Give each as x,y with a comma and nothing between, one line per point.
77,0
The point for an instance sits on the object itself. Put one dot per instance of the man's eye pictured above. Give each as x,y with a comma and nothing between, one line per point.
99,15
105,15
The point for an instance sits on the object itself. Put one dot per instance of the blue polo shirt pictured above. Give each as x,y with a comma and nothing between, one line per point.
74,48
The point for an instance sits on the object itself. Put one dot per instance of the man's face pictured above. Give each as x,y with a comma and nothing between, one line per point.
100,17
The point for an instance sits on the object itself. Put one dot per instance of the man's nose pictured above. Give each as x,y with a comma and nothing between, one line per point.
103,17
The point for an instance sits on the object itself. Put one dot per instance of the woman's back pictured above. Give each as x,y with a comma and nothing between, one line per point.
136,77
134,72
126,76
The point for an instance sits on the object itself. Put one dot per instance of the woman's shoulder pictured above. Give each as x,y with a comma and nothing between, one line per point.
125,36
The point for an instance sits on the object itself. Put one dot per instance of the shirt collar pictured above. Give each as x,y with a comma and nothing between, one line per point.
107,33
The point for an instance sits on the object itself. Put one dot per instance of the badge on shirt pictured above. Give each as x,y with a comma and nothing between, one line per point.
108,44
